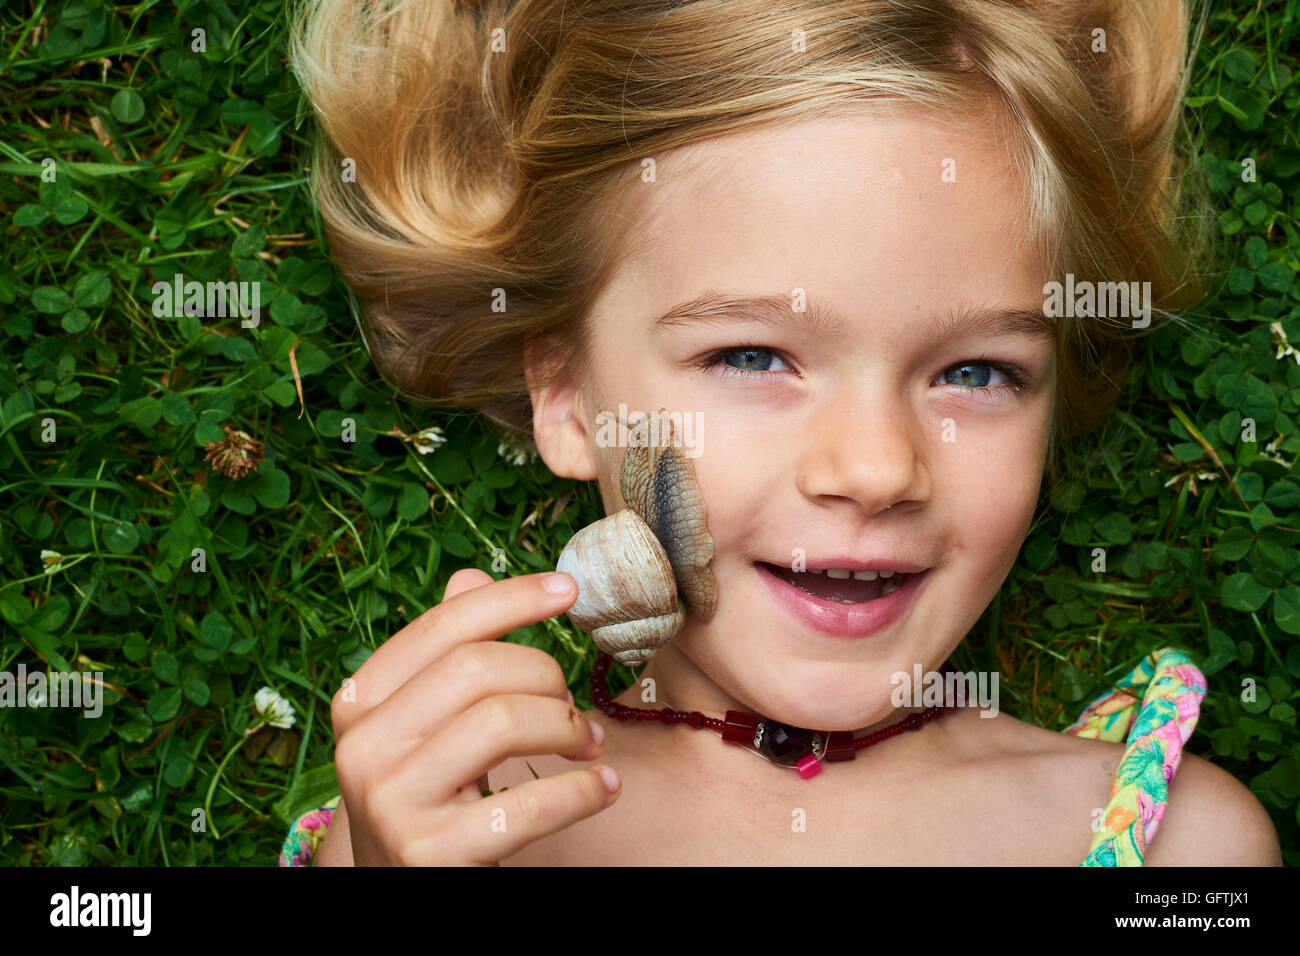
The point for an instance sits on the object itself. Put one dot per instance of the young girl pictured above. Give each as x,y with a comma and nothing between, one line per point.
821,232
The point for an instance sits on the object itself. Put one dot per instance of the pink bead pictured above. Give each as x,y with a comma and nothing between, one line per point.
809,766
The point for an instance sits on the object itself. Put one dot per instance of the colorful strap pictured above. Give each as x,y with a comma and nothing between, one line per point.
306,834
1155,709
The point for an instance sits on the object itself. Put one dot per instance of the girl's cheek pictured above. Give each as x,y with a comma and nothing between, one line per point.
987,483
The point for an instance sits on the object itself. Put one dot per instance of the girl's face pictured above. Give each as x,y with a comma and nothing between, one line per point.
889,435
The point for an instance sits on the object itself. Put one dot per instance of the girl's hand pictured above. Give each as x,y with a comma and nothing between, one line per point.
439,705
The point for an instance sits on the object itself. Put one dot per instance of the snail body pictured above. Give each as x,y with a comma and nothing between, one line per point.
640,569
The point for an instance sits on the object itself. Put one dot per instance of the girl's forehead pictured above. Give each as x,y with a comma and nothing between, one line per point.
890,207
870,146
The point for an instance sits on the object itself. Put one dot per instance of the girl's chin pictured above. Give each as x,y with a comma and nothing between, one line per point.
822,719
823,705
787,684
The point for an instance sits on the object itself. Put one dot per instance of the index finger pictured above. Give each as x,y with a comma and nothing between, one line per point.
482,611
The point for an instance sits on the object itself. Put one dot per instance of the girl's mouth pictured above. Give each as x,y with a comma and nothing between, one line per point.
842,586
838,603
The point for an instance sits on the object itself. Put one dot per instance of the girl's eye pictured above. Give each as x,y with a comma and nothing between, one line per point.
970,376
974,376
750,360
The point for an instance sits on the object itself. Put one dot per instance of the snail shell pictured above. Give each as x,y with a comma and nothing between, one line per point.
632,566
627,593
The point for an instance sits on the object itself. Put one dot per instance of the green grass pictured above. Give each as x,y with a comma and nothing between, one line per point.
168,160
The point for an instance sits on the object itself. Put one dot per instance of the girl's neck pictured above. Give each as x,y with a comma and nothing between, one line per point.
720,767
680,685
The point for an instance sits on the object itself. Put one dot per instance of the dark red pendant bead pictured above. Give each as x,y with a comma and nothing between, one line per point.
785,745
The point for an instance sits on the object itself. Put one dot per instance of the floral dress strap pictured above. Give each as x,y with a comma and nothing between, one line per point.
1154,709
306,833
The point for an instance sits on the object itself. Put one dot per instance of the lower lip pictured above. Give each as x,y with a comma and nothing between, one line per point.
843,620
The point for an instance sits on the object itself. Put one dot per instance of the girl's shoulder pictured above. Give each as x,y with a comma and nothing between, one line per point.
1122,769
1203,814
1213,819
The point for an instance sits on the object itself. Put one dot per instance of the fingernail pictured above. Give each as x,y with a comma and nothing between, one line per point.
597,732
610,777
557,583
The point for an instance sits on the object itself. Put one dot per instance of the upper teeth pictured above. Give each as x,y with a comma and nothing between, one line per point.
844,573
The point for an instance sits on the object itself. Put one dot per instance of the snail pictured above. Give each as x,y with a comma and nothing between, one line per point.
640,569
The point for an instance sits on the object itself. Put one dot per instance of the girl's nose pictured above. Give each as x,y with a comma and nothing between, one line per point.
873,453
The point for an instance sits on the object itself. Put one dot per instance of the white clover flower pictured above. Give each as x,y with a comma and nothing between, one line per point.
1270,451
514,454
427,440
273,708
1284,348
1194,477
51,560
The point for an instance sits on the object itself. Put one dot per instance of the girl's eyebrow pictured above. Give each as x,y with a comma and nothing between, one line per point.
994,322
716,308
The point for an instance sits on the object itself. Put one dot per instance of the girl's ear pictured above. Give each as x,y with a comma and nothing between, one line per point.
559,415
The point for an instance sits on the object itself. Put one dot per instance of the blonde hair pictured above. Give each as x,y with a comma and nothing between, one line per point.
490,140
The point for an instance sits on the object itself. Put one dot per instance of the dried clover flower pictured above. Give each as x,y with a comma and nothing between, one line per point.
235,455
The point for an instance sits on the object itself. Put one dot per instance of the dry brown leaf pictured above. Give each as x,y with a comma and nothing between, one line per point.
257,743
283,749
100,132
560,504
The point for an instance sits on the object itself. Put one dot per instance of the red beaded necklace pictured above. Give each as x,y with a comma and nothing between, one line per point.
783,745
